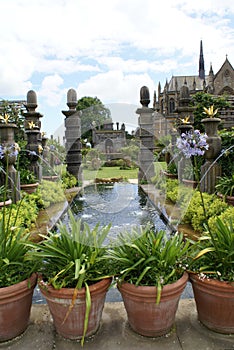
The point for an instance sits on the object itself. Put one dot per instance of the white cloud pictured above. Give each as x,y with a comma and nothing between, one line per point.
51,91
111,47
114,86
62,66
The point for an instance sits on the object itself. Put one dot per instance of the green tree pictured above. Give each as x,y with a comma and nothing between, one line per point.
201,100
94,113
14,111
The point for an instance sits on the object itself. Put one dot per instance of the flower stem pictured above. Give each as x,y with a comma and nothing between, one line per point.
197,177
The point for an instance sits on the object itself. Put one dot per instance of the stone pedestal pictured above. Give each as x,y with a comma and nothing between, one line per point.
210,171
32,127
73,136
146,155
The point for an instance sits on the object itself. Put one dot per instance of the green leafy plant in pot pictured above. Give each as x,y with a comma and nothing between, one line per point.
211,264
17,274
73,276
28,180
150,271
212,275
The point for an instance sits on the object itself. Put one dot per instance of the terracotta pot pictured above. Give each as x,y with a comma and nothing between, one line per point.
215,303
53,178
29,188
59,301
144,315
190,183
228,199
170,176
15,306
6,203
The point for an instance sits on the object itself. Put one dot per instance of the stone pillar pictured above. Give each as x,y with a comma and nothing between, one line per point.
32,126
145,121
210,171
73,136
7,141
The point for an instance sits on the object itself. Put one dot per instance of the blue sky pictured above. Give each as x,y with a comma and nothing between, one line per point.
106,48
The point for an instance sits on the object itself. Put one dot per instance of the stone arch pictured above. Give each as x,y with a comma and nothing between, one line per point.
226,90
109,148
171,105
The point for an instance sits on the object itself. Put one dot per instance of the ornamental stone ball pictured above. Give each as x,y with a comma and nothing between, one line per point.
71,98
144,96
31,100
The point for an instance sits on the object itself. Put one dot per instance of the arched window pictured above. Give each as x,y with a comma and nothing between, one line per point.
171,105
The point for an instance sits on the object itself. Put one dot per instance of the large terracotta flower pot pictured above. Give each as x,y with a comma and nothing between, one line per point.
190,183
229,199
170,176
29,188
52,178
15,307
144,315
215,303
59,301
6,203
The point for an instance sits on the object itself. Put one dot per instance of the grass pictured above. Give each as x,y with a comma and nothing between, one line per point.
109,172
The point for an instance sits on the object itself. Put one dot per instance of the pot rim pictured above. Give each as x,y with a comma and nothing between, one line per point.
207,281
19,287
215,119
166,289
34,184
67,293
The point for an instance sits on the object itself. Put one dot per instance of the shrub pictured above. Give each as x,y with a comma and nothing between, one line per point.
172,168
50,192
225,216
22,214
68,180
195,213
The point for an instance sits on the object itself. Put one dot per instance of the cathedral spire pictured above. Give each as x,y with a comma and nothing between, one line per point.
201,63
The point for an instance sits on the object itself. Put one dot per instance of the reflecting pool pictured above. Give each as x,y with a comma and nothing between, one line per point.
124,205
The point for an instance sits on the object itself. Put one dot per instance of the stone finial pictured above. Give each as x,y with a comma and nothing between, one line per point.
71,99
31,104
144,96
184,91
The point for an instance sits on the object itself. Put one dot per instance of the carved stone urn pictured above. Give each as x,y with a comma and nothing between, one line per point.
214,140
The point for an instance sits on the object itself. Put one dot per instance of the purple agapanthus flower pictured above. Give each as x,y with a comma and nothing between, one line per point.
192,143
8,150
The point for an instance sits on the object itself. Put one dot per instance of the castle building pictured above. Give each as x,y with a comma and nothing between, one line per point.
108,140
169,97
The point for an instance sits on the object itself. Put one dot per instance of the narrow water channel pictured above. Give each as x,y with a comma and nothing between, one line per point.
125,206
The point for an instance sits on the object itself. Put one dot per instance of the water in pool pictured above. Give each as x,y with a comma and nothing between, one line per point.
123,205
